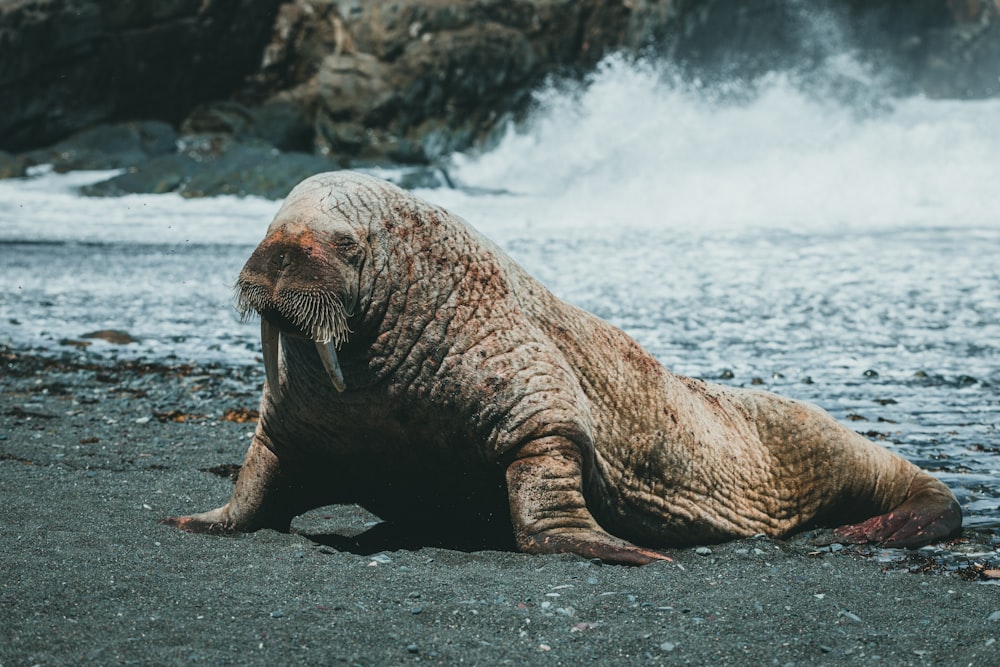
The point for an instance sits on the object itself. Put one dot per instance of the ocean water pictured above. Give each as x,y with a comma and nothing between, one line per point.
839,249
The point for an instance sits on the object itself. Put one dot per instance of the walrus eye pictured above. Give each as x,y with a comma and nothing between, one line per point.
348,248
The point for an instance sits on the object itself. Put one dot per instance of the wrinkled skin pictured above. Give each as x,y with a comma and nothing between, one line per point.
465,395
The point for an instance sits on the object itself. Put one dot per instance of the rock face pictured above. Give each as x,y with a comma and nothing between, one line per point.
361,82
69,64
412,81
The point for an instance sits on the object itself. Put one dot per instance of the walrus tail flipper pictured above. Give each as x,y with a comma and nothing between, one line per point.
930,512
548,509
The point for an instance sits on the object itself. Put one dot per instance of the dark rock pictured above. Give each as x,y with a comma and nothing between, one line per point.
70,64
108,146
217,166
227,118
156,176
12,166
253,170
279,123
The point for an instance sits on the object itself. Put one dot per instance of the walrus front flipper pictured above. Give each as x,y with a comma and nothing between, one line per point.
548,510
260,499
930,512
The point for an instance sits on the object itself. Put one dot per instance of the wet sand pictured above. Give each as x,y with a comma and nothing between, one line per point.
93,454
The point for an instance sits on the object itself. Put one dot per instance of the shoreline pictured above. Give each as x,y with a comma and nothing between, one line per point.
93,454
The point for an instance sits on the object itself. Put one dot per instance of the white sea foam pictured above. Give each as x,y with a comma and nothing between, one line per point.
47,207
635,147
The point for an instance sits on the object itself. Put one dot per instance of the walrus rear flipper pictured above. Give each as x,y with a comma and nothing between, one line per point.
930,512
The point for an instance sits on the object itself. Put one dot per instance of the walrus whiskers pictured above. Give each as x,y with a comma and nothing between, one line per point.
321,315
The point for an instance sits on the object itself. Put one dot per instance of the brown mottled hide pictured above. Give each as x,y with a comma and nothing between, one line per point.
475,400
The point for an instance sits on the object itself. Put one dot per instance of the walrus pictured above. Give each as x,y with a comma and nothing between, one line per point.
415,369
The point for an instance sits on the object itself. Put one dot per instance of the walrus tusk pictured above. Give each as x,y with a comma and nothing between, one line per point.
269,341
328,353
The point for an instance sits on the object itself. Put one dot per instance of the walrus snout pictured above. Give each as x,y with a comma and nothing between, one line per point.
294,290
297,288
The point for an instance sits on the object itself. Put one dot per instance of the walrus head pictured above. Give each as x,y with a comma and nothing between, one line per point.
304,278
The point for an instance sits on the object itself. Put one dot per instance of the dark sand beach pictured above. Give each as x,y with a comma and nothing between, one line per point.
93,454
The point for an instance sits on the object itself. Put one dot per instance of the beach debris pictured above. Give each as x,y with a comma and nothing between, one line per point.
113,336
379,559
240,415
583,626
229,470
178,416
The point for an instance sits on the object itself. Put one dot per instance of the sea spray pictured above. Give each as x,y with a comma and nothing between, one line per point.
634,146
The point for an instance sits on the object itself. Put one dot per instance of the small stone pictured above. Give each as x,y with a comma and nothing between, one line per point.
412,648
850,616
416,610
668,646
277,613
703,551
825,649
995,616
